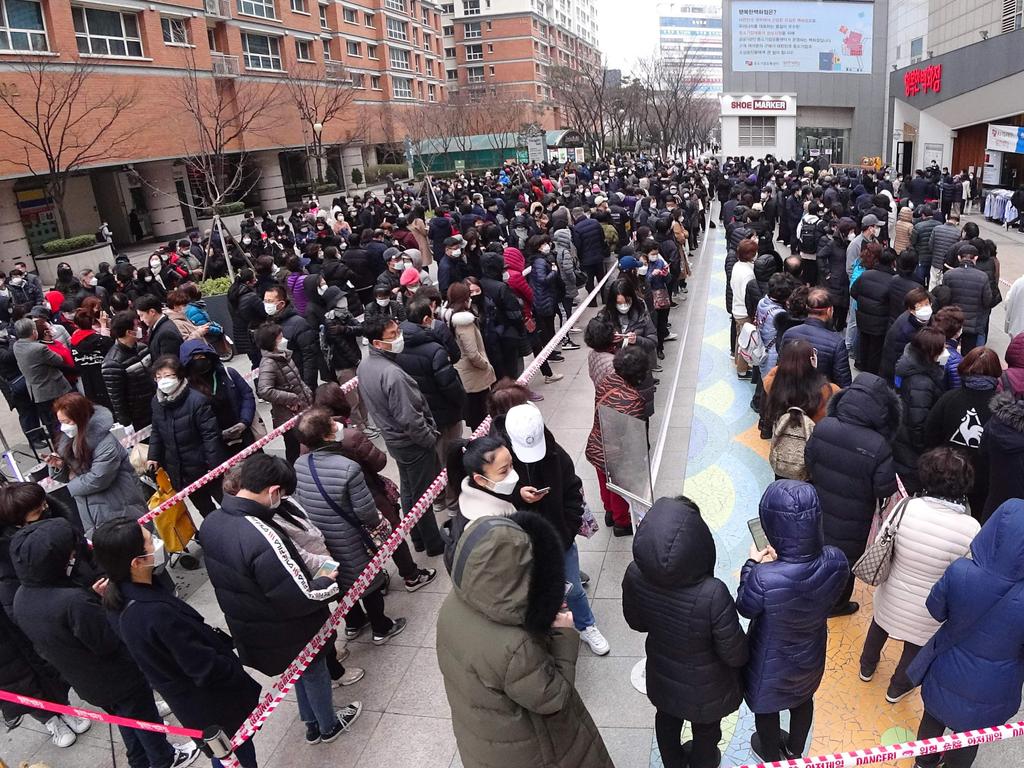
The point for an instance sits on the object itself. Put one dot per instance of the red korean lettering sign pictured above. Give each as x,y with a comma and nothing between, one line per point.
924,80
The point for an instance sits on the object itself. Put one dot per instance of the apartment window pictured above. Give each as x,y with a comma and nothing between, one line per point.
368,20
371,51
474,53
491,69
398,30
375,82
399,59
757,131
358,79
471,7
916,50
475,74
395,5
427,42
448,8
261,8
419,67
426,16
327,49
299,6
106,33
21,26
211,40
490,26
323,17
261,51
302,52
471,29
175,31
448,30
401,87
449,53
431,93
353,48
451,74
490,47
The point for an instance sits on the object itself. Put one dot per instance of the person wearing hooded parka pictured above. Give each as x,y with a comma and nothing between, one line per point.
508,655
787,592
695,646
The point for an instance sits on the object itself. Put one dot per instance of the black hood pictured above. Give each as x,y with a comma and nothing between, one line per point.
492,265
673,546
416,335
911,364
765,266
868,402
42,551
309,284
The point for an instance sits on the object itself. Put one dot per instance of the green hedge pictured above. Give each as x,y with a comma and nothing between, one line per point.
65,244
215,286
377,173
357,176
227,209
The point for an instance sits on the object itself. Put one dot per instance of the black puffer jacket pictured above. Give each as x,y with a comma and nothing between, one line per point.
186,438
695,646
896,339
65,622
832,270
246,310
303,341
972,292
426,360
833,357
129,384
1002,447
591,247
871,292
920,384
765,266
508,312
850,460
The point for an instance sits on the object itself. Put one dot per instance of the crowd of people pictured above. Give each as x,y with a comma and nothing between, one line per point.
435,316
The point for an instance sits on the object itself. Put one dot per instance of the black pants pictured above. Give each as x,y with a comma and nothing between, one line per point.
370,608
704,753
768,728
809,270
407,567
870,357
732,335
475,410
291,446
509,362
144,749
873,644
661,320
49,419
417,468
593,272
27,415
931,727
968,341
203,498
537,344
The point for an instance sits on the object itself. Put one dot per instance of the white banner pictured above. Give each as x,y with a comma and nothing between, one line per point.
1005,138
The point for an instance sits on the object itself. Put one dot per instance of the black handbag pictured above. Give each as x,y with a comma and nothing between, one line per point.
373,538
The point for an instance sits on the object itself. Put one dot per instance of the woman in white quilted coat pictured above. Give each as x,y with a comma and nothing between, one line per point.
936,530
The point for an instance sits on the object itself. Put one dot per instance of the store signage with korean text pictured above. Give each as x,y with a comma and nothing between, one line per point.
1005,138
924,79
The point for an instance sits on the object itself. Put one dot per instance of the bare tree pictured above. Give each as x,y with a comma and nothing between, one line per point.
582,95
320,102
63,116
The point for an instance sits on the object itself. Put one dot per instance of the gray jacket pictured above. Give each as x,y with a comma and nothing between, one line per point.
943,237
43,370
395,402
921,240
972,292
565,253
108,487
343,482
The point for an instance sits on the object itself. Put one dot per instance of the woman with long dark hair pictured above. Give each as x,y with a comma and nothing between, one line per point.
796,383
474,367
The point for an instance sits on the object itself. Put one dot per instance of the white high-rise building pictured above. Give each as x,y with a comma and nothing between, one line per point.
690,32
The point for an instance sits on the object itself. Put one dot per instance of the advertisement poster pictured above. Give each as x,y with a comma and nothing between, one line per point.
1005,138
801,37
993,168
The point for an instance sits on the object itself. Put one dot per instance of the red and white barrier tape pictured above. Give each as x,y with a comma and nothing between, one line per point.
881,754
99,717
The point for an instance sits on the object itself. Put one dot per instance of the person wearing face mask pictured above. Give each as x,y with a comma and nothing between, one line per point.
68,627
230,396
125,371
301,339
186,439
280,383
920,382
22,291
917,313
43,370
190,664
330,487
452,267
341,351
246,310
400,411
385,305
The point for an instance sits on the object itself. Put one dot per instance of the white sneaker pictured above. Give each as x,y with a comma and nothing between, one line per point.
592,636
352,676
553,378
60,734
672,337
77,724
185,754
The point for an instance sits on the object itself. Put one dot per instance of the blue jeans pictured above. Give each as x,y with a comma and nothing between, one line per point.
577,601
245,754
313,690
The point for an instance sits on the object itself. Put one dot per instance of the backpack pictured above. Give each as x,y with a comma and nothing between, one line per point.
789,438
750,346
809,237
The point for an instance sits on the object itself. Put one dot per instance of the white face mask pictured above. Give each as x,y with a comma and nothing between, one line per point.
71,430
545,249
456,253
382,302
167,384
270,307
943,357
154,265
397,344
275,503
329,314
281,345
246,240
507,485
149,278
321,289
157,554
93,282
624,308
642,270
504,277
924,314
17,281
339,432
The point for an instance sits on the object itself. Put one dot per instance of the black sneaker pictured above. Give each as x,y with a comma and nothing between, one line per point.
351,633
584,578
848,609
688,748
185,754
312,733
346,717
623,530
397,627
894,694
867,672
424,577
570,345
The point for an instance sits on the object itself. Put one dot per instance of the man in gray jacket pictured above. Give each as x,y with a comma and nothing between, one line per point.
398,408
972,292
943,237
920,240
43,369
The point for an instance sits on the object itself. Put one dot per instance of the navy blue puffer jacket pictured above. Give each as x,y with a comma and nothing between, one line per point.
788,600
590,244
543,281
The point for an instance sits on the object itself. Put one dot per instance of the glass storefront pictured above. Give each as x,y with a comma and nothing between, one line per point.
830,142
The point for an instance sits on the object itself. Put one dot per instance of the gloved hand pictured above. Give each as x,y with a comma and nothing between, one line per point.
233,434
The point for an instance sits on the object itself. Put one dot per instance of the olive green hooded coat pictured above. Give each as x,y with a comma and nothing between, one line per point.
508,676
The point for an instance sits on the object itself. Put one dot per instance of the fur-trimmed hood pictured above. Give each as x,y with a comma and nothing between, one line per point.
1009,410
511,570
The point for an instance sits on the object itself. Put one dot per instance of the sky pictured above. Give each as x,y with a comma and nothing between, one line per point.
627,30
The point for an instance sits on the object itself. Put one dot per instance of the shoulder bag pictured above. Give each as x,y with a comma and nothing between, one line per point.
873,566
373,538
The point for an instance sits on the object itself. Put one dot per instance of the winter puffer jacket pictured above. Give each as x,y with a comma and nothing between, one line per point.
932,534
186,439
1014,358
896,339
510,678
920,384
833,357
129,384
1002,447
591,247
474,368
850,461
903,229
344,534
64,621
246,310
270,602
940,241
788,600
972,670
600,365
280,385
426,360
972,292
832,269
508,312
303,342
341,332
695,646
88,349
564,250
543,280
295,284
107,487
920,240
871,292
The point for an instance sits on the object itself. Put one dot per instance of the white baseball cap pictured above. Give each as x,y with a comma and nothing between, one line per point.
525,427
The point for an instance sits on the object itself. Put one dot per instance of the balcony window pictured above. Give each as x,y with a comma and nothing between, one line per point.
302,52
327,49
262,8
474,53
398,30
299,6
21,26
471,30
175,31
106,33
399,59
475,74
395,5
350,16
371,51
375,82
401,87
471,7
261,51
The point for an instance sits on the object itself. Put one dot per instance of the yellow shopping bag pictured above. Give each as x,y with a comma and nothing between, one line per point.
175,525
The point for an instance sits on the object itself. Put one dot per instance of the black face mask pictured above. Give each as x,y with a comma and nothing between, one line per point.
201,365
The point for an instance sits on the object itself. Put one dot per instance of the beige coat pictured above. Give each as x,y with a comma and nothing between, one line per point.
474,369
933,534
418,227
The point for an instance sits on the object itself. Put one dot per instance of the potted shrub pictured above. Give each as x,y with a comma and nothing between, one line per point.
215,294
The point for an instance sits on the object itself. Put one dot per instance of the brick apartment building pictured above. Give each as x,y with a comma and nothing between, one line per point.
388,52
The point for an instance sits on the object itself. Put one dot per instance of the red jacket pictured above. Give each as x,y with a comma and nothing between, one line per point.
515,264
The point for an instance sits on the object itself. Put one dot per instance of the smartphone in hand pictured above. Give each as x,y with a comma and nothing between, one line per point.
757,533
329,567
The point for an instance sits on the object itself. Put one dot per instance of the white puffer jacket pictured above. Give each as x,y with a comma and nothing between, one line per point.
933,534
